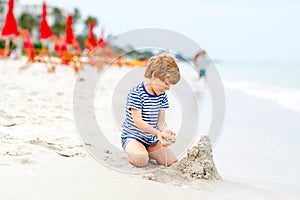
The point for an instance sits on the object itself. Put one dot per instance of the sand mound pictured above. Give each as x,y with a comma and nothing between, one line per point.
197,165
199,162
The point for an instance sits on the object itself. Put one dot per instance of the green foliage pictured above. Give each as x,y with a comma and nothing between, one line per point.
2,44
1,7
13,46
58,16
59,26
27,21
87,21
81,39
76,16
37,45
84,34
139,54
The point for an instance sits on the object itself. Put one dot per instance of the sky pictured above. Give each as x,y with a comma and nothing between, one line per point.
230,30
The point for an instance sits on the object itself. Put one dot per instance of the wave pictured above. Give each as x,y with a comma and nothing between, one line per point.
286,97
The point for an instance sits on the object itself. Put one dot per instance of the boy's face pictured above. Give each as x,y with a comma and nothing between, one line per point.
160,86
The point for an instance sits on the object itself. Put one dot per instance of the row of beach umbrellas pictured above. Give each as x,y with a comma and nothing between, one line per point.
10,29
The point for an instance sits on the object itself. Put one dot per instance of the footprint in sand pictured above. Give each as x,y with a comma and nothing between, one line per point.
26,161
60,149
19,151
45,144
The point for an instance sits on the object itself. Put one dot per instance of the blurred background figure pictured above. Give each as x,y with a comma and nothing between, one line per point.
201,61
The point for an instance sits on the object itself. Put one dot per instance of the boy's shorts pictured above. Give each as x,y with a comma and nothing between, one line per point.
128,139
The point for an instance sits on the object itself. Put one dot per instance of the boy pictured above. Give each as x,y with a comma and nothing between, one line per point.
145,133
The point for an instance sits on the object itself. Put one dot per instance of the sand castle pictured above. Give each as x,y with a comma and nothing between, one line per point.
199,162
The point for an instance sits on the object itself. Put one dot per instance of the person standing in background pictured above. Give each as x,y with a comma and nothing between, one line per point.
201,61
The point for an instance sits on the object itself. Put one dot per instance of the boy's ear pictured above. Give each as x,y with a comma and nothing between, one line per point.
154,75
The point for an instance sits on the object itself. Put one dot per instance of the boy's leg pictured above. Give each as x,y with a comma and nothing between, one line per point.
162,155
137,153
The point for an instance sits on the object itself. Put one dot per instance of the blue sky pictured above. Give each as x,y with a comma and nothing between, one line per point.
255,31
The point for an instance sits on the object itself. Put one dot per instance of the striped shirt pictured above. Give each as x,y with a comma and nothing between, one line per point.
149,105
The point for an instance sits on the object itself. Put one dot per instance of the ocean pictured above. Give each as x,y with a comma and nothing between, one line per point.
260,138
275,82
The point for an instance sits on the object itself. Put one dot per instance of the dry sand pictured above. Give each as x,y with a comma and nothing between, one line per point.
42,157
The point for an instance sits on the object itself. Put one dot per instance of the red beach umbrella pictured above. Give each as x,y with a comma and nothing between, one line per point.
10,27
69,31
101,41
44,27
92,39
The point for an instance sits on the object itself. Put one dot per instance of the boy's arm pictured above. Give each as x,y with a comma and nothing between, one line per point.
141,124
161,123
144,126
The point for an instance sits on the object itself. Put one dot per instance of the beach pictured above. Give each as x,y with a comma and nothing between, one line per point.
43,157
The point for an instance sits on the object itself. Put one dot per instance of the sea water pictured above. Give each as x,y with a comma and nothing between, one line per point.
261,135
275,82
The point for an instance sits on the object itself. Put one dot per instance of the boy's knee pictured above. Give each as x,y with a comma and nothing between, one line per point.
139,160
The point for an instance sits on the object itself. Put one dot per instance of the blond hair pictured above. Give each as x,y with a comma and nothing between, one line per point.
163,67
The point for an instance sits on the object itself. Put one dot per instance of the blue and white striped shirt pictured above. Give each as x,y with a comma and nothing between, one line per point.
149,105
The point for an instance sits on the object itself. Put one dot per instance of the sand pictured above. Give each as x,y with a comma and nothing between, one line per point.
199,162
42,156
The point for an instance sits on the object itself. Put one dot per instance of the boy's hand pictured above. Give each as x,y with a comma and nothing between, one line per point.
167,137
169,131
163,138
